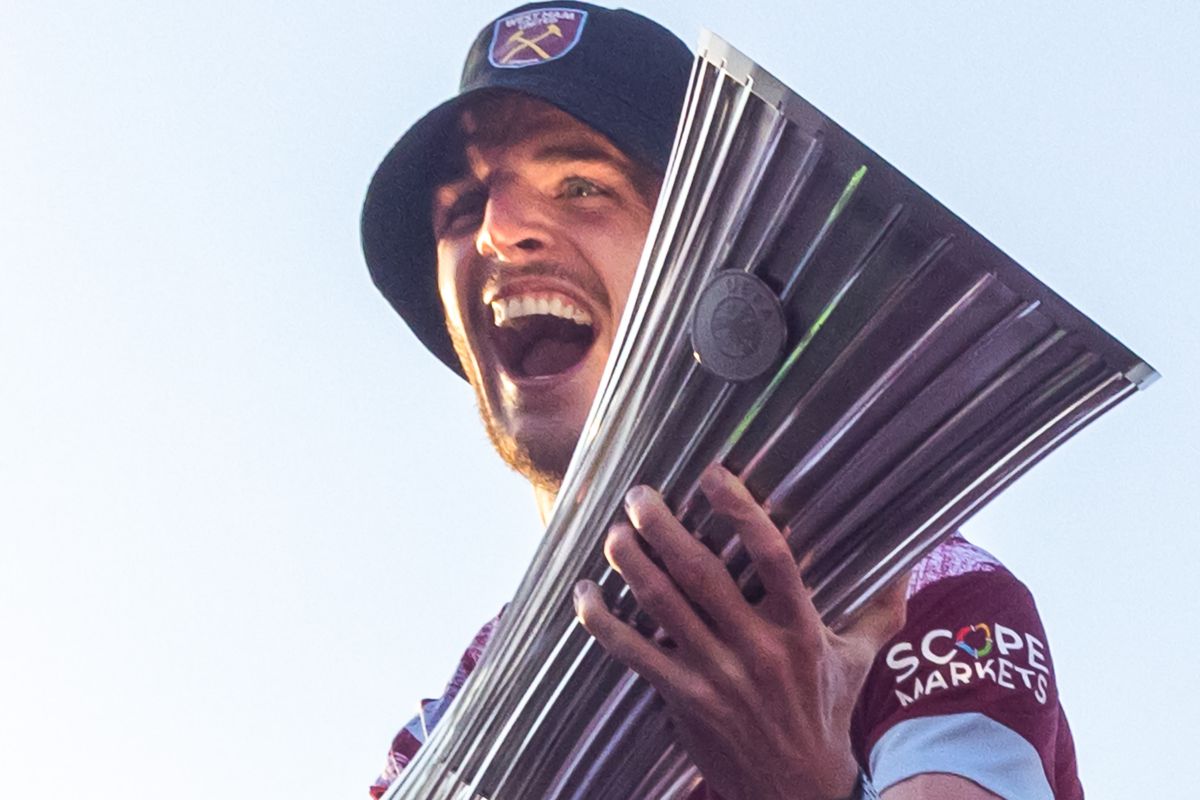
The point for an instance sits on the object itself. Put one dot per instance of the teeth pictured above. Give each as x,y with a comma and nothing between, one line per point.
507,309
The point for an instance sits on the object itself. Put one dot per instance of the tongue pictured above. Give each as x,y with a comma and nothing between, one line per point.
551,356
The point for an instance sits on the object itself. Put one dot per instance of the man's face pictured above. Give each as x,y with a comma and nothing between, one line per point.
537,245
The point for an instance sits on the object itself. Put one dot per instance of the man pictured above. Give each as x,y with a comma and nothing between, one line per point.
505,227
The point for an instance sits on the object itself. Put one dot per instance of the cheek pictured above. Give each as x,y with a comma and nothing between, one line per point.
451,278
457,293
620,253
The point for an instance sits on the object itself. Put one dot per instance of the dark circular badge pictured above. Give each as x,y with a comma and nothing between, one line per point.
738,330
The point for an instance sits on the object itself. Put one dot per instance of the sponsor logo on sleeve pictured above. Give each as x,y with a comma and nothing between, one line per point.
528,38
944,659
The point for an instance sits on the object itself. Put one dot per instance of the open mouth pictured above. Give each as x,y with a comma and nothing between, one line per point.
541,334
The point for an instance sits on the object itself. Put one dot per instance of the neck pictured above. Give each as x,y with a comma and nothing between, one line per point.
544,497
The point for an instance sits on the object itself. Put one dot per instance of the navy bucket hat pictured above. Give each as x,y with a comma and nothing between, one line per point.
616,71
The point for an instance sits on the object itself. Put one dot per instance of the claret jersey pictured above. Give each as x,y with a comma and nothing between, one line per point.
966,687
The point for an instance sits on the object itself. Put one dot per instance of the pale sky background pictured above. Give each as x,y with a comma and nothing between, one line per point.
246,522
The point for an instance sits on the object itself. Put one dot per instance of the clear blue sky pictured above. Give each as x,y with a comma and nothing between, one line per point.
246,522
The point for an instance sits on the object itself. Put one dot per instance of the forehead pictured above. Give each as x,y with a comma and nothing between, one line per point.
502,124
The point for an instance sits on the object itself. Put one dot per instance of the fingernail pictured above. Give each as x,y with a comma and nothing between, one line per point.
634,498
580,591
711,478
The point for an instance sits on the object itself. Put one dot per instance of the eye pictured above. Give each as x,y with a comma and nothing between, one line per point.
464,213
576,187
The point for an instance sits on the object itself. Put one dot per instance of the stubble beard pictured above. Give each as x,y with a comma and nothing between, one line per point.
543,466
542,463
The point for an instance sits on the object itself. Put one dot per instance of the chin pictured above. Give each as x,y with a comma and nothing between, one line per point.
542,458
539,442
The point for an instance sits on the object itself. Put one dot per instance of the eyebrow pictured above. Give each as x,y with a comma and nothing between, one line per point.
582,151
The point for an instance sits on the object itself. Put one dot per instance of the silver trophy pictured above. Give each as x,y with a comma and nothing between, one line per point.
872,368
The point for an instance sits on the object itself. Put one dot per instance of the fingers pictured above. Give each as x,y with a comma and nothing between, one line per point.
655,591
769,550
699,574
621,641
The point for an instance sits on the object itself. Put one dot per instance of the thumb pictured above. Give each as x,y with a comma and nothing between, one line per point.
880,619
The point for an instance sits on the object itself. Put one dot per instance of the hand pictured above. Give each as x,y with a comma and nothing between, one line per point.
761,694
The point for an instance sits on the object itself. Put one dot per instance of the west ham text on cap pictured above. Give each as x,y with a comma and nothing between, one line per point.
528,38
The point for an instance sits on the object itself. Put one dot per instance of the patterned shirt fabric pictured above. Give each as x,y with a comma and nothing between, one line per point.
413,735
966,688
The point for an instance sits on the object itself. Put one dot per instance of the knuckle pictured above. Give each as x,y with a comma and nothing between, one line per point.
731,674
801,642
720,492
698,693
777,560
750,511
774,665
772,652
736,506
693,569
655,521
653,595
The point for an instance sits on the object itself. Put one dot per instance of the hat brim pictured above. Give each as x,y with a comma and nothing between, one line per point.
397,227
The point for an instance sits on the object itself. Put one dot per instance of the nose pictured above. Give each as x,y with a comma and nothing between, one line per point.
514,227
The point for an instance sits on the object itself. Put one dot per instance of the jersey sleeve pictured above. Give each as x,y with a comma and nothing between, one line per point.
966,688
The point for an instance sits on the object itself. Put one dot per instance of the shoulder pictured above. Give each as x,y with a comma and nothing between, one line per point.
967,686
950,559
972,641
430,710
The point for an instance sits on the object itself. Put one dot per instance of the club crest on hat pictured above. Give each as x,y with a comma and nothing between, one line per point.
527,38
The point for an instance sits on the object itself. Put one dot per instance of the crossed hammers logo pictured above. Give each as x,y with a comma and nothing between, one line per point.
523,44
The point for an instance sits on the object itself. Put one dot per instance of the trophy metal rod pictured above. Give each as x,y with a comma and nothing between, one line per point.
727,142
